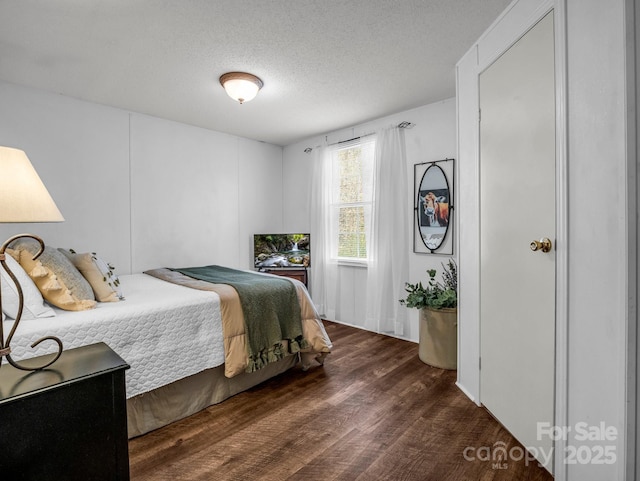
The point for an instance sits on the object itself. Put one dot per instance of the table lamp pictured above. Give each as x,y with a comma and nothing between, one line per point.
23,198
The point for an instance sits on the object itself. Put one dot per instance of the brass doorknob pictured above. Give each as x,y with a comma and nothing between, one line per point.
543,244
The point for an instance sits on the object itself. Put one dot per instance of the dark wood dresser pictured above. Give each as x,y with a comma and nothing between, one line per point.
65,422
299,274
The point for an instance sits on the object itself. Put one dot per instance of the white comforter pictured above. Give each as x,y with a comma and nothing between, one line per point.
163,331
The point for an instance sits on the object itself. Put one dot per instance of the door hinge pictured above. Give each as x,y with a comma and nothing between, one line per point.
479,363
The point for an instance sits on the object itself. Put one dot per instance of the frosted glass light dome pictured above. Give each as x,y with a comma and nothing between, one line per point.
241,86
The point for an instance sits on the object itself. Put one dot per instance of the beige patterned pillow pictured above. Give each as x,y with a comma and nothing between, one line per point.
104,282
60,283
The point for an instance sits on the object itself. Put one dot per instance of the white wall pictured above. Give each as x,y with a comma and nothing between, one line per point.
81,152
593,304
597,297
432,138
143,192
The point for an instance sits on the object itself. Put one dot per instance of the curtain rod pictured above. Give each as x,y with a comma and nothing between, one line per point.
369,134
401,125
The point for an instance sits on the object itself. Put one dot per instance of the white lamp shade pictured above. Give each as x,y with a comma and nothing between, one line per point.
23,196
241,86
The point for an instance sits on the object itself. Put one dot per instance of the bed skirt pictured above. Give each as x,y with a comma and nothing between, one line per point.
182,398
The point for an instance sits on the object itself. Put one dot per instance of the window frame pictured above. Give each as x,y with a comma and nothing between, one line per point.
335,205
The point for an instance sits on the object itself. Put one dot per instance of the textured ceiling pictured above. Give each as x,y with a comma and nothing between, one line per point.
325,64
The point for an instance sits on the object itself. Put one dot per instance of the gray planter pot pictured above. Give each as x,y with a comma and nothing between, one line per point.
439,337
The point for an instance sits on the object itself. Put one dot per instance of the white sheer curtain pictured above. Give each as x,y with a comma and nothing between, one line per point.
324,269
388,244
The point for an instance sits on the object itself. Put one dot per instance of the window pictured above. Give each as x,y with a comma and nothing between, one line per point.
351,198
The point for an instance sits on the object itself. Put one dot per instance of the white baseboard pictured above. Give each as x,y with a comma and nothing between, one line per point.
468,394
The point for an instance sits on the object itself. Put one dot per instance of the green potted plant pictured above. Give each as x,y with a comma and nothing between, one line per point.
438,306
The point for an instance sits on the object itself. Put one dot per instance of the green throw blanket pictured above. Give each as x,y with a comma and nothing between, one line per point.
270,307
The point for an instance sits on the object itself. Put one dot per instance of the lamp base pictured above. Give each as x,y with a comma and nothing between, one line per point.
5,346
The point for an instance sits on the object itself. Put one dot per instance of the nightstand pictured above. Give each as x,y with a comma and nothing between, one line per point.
65,422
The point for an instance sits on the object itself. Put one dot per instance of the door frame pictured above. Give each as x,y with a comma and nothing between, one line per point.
514,22
632,435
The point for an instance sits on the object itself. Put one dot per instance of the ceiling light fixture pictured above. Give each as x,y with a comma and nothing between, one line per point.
241,86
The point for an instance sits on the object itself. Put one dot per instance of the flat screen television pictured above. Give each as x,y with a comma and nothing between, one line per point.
281,250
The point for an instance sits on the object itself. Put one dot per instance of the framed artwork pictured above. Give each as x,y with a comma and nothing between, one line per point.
433,195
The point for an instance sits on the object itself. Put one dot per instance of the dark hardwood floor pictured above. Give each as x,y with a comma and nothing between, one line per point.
373,412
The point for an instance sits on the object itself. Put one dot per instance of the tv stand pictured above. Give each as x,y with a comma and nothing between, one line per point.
294,273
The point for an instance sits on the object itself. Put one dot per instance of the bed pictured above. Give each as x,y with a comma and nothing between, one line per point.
170,330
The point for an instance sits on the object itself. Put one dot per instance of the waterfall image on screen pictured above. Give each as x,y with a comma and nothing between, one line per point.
281,250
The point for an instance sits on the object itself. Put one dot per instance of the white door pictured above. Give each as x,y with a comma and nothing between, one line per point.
517,195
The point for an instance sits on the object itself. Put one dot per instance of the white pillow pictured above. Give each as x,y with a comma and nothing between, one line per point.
34,305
